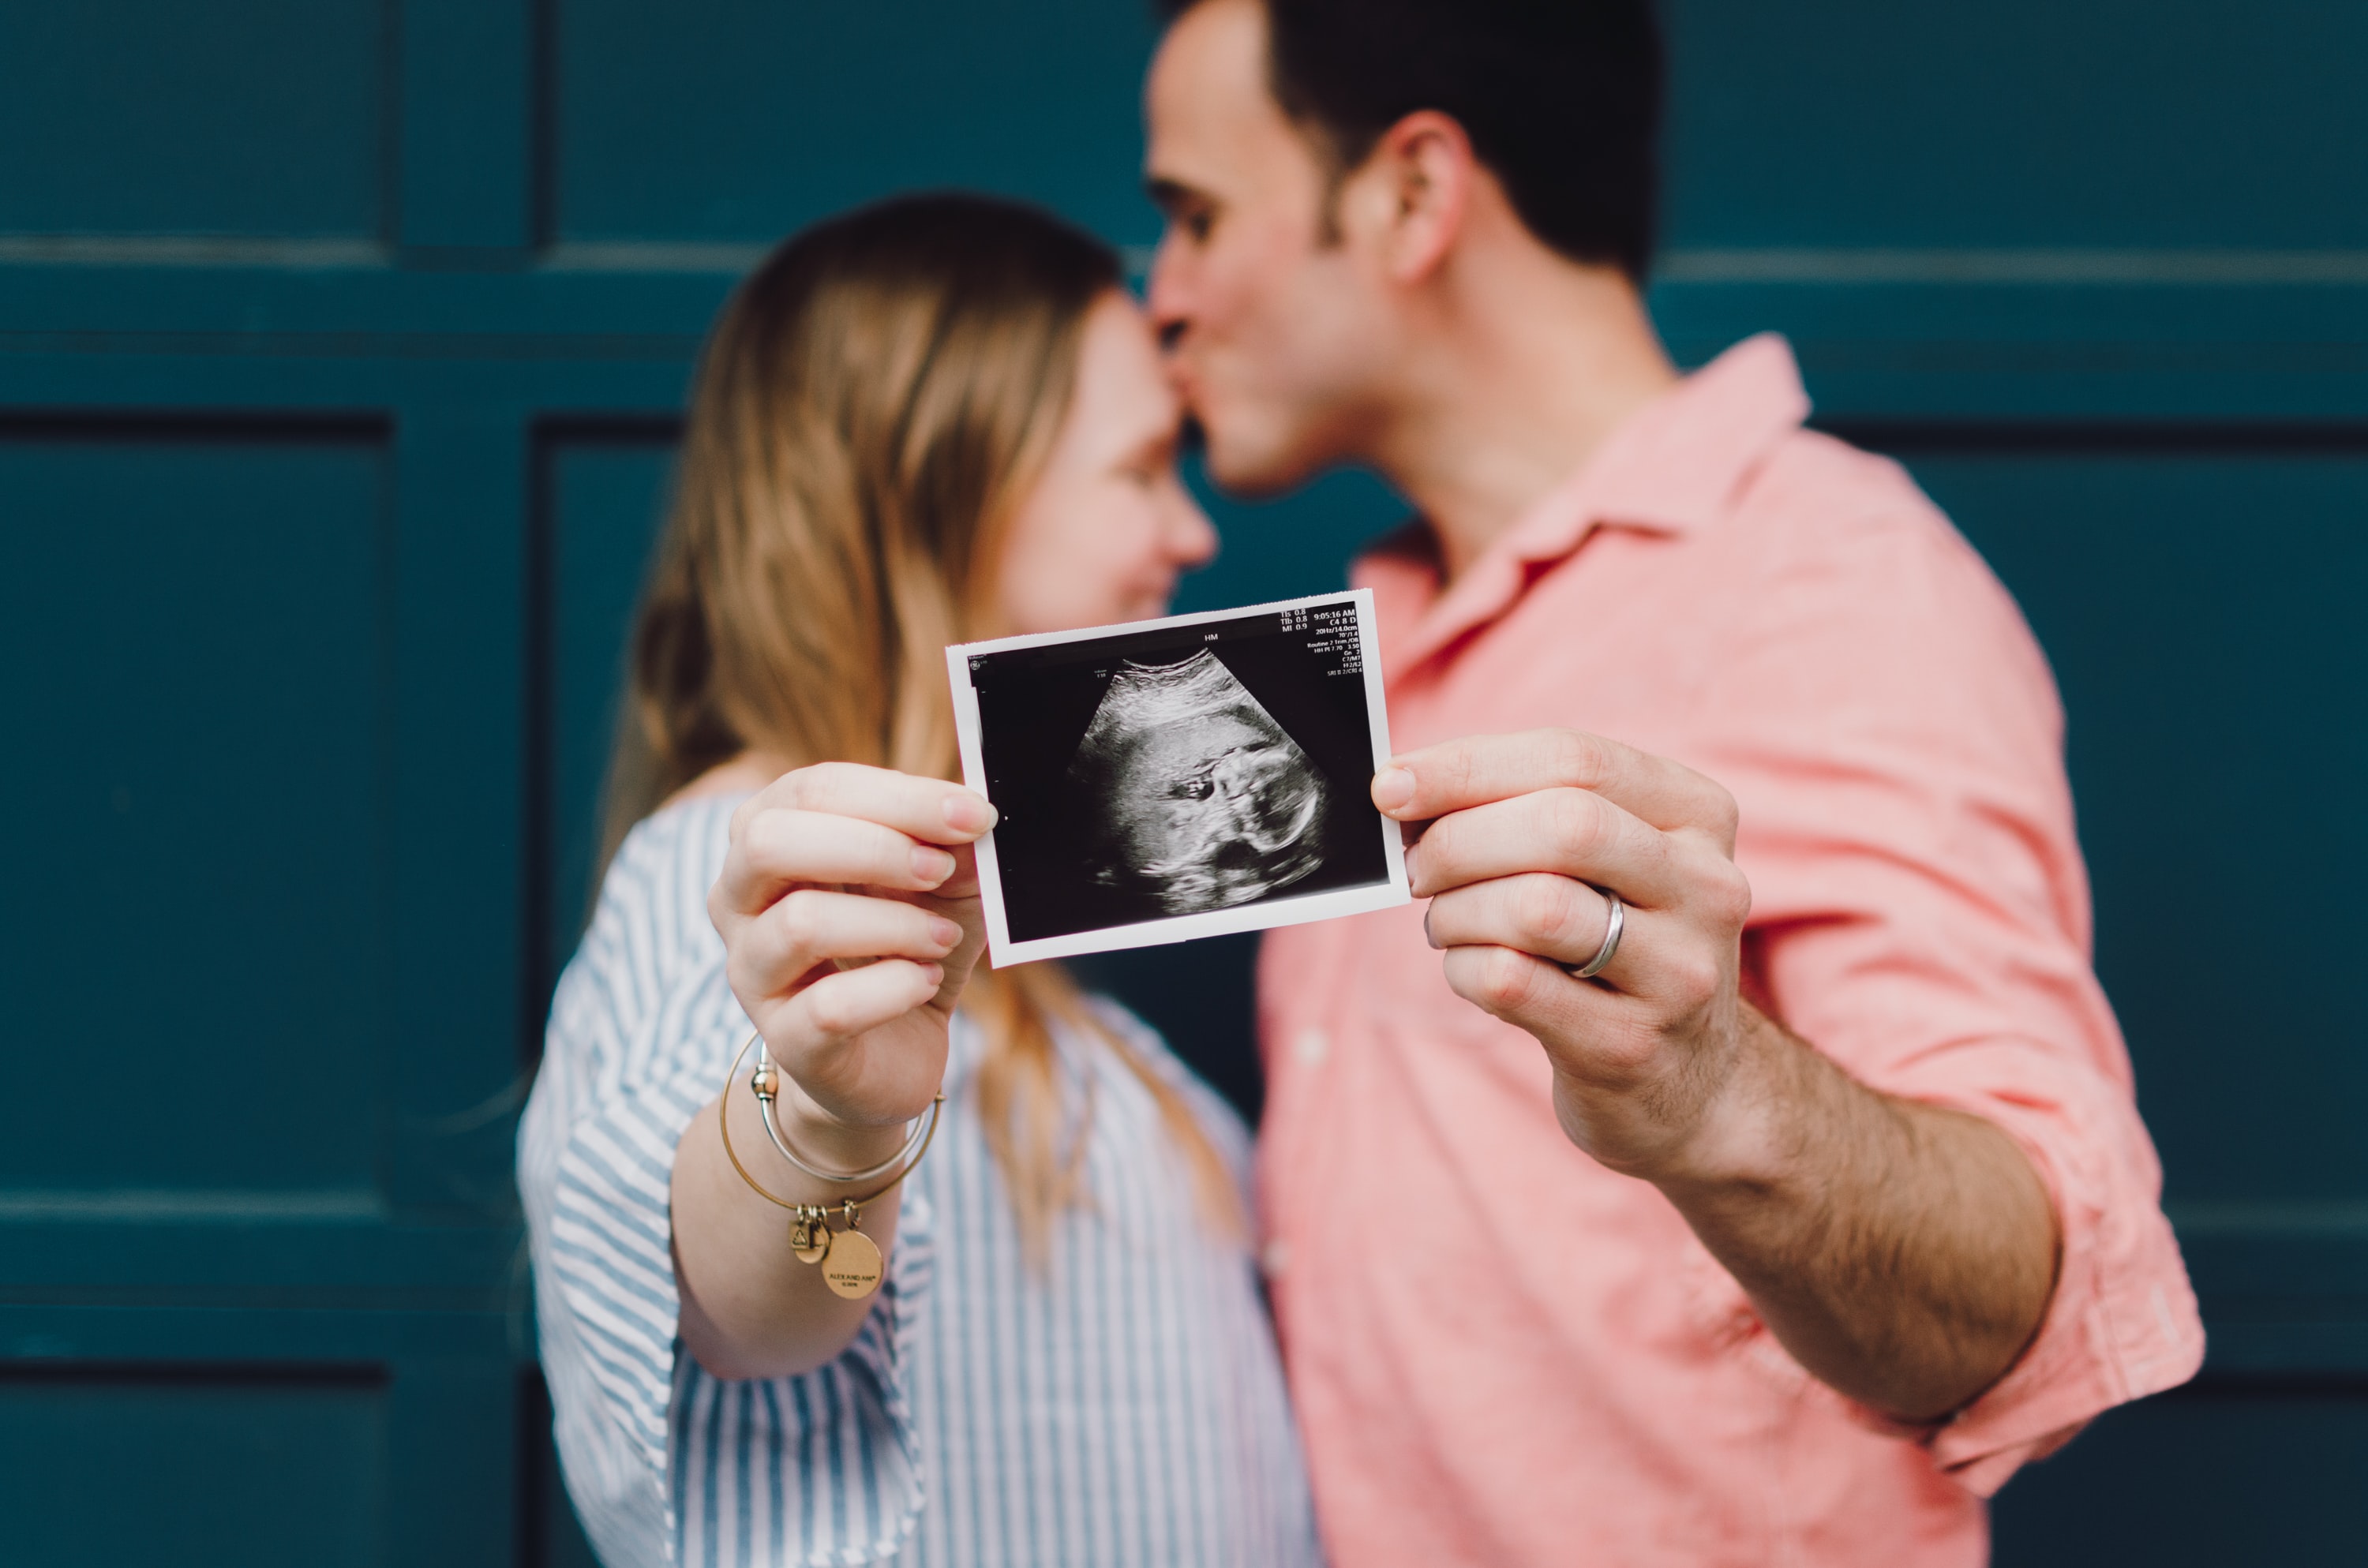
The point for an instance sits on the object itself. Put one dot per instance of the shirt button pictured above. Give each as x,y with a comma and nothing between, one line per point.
1276,1258
1311,1047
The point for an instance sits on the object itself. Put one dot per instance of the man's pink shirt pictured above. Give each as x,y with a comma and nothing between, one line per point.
1503,1354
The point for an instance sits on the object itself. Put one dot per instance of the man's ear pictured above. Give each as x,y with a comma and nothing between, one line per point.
1413,191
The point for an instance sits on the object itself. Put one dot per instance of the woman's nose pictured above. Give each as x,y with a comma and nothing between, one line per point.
1190,538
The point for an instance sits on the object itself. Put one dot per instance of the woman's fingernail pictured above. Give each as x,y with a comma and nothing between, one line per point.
1392,788
932,866
965,812
943,932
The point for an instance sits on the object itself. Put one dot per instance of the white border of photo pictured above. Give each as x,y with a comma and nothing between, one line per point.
1263,914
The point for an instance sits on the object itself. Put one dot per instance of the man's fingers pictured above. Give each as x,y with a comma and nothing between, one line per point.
927,809
776,847
815,926
1558,918
1607,1037
1457,775
1570,832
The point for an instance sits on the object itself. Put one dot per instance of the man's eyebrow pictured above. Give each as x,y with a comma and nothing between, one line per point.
1168,194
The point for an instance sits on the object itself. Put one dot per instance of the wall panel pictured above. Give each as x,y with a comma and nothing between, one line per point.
254,119
720,121
197,621
604,497
2110,124
136,1466
2223,1472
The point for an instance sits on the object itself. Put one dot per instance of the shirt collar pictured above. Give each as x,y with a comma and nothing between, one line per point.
1673,467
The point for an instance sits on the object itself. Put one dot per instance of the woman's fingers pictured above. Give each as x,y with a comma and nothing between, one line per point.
928,808
815,926
845,1004
772,849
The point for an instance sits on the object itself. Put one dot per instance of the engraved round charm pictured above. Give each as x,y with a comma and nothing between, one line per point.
852,1269
810,1241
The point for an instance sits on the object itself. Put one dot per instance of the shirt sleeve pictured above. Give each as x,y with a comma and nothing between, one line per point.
646,1436
1920,914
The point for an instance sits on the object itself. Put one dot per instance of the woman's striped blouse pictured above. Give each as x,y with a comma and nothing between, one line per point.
1121,1406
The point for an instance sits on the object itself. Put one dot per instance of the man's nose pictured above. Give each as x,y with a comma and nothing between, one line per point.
1163,297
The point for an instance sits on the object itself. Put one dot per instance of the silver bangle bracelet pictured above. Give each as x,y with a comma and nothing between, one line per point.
766,1082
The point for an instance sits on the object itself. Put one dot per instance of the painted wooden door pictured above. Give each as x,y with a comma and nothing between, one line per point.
341,344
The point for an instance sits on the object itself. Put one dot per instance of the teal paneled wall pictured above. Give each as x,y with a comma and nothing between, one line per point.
210,1461
196,625
261,118
717,120
342,345
2138,124
605,494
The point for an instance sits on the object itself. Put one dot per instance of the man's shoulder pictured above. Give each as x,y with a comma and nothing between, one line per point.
1813,479
1821,504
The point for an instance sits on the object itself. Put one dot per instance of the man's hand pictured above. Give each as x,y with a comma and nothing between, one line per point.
1525,834
1905,1253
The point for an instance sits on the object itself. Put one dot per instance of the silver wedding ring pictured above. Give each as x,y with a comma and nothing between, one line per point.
1594,966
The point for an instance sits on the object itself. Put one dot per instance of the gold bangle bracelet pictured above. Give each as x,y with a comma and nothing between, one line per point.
767,1081
724,1126
852,1265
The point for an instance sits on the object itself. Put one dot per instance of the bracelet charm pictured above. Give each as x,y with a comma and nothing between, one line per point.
851,1262
810,1236
852,1267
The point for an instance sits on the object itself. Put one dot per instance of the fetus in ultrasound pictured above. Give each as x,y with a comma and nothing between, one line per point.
1197,798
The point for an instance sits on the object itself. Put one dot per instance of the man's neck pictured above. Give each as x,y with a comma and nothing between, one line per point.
1528,364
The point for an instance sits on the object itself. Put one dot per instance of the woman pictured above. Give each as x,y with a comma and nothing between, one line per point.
932,420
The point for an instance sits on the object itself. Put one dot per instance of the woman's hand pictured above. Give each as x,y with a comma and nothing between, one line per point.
850,911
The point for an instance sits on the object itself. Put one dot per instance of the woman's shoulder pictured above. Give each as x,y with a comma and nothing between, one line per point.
649,924
688,836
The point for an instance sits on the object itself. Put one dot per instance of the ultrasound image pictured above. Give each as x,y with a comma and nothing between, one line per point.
1181,770
1199,799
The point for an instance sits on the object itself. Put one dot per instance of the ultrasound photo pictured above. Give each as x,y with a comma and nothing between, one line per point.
1178,778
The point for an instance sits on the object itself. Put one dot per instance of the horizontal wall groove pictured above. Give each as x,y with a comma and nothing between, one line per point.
343,1207
497,1300
192,251
668,347
729,258
202,427
2153,437
1775,264
195,1374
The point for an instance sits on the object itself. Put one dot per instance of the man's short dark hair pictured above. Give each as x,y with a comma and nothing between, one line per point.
1562,99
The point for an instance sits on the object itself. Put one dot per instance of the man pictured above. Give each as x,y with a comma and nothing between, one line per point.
1826,1203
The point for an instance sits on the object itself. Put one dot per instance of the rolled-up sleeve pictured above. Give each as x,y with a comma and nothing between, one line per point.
1921,915
634,1049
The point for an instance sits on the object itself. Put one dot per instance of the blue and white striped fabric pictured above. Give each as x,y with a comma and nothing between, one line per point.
1122,1407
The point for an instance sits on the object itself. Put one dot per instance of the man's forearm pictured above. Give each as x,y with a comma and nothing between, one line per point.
1903,1252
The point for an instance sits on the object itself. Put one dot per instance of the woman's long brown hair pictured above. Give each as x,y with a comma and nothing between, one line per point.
871,404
